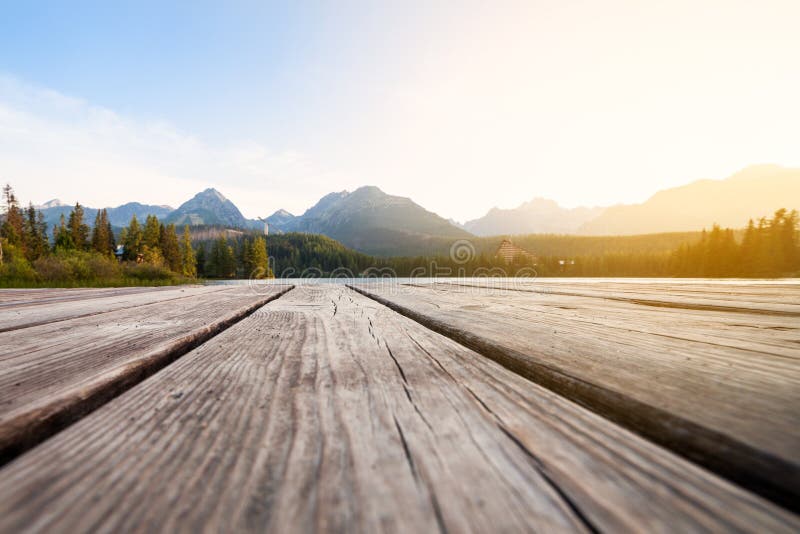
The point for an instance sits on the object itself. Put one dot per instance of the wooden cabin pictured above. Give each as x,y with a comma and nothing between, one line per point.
508,251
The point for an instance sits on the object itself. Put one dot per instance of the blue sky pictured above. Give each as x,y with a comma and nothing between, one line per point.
460,105
219,68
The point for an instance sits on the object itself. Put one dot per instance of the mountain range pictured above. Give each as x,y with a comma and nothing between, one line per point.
754,192
538,216
371,221
118,217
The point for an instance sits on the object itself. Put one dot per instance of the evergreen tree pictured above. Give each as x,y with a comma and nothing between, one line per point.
259,262
62,240
37,244
201,261
152,232
222,260
246,260
786,241
170,248
132,239
78,230
102,234
13,227
188,261
763,258
748,250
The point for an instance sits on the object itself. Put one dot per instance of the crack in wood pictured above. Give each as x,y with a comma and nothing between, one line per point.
756,470
27,430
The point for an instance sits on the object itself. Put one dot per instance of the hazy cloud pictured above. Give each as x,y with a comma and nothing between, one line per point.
53,145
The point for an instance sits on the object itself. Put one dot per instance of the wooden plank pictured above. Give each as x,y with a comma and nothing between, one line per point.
775,335
52,374
780,299
28,295
326,412
44,309
732,406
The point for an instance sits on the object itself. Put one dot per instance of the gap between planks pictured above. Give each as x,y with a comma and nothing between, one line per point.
338,415
29,429
766,474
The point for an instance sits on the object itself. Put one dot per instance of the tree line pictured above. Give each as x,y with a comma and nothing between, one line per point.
78,254
153,252
767,248
233,254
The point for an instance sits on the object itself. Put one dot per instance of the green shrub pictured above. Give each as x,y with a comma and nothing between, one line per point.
17,268
103,267
146,271
54,269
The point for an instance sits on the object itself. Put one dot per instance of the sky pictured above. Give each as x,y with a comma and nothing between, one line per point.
460,105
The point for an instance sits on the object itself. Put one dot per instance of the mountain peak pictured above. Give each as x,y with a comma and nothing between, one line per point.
211,192
372,221
208,207
50,204
368,190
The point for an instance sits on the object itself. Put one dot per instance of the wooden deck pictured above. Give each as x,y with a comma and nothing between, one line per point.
403,408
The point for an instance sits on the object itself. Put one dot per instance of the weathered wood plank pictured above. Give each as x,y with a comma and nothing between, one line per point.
731,405
28,295
778,299
24,313
52,374
324,411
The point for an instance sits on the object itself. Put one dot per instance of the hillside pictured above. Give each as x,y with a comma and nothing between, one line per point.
754,192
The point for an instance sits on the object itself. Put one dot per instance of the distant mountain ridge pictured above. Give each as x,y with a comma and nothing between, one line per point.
753,192
367,220
119,216
538,216
373,222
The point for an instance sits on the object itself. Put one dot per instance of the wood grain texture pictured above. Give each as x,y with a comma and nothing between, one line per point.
50,308
28,295
324,411
51,375
740,296
720,388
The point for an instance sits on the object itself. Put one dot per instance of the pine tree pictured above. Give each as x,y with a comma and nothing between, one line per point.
228,262
102,235
188,261
13,227
152,232
36,241
246,260
748,250
259,262
787,241
63,237
78,230
201,261
132,239
222,260
170,248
